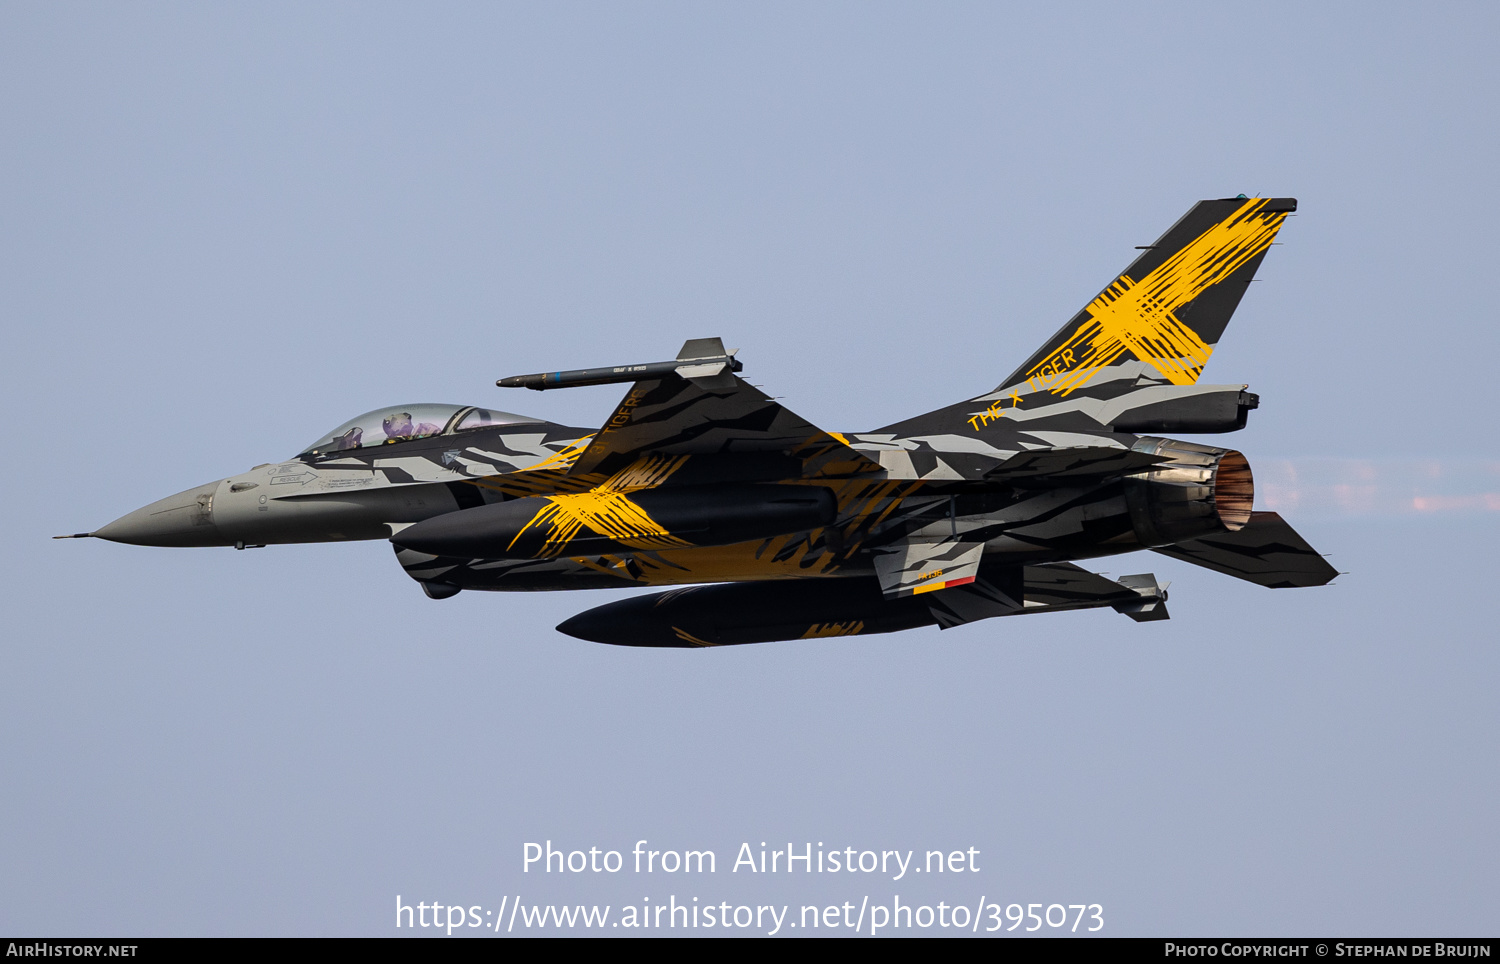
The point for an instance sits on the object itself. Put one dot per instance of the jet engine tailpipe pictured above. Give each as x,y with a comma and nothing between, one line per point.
1202,490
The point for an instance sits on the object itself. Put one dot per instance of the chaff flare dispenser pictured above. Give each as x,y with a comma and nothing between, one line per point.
777,529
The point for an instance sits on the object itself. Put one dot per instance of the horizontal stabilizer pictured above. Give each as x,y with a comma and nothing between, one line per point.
1267,552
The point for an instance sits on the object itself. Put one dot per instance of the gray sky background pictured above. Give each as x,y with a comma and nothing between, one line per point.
226,229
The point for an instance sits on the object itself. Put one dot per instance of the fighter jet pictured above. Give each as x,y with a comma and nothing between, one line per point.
780,530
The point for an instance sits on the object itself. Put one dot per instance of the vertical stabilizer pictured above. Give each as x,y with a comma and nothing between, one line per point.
1153,326
1158,321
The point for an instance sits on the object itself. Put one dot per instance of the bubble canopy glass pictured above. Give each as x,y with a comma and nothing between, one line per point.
404,423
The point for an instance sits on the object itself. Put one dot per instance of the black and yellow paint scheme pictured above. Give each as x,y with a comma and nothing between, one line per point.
697,477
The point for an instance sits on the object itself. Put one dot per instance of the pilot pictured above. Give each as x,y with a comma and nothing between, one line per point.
399,427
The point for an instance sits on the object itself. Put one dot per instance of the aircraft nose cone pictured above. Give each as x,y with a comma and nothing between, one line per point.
184,519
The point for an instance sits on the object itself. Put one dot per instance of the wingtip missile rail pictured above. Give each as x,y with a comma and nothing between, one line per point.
579,377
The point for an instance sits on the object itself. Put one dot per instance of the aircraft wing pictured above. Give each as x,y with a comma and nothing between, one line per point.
1267,552
717,414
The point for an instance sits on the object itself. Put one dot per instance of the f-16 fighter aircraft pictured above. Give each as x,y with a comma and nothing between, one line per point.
975,510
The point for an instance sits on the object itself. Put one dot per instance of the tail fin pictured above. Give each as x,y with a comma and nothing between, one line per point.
1154,325
1158,322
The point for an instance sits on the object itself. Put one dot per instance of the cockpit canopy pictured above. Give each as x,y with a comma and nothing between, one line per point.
404,423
